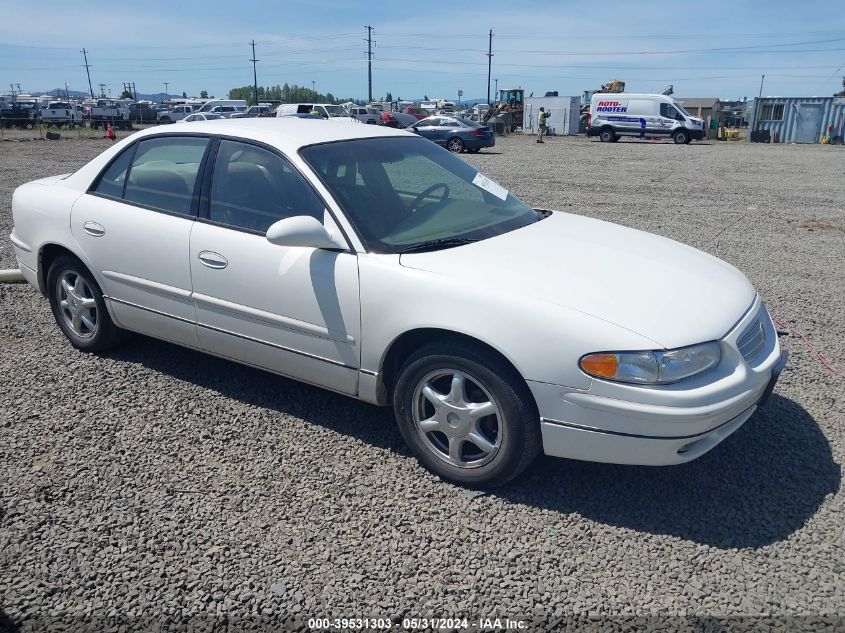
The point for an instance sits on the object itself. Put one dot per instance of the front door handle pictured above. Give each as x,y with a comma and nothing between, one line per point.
212,259
94,229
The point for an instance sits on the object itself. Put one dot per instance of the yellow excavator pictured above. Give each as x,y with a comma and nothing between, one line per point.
511,102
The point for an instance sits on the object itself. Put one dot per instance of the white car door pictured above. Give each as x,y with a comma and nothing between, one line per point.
291,310
134,226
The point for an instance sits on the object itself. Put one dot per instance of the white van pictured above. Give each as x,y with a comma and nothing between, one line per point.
613,115
325,110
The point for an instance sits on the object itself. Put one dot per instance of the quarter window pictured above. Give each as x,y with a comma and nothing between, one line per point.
252,188
112,181
164,172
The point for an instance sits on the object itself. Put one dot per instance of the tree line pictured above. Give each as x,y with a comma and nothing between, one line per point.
286,94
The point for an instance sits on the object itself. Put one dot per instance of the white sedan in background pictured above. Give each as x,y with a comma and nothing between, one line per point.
374,263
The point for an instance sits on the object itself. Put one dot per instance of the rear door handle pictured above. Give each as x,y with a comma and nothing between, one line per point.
93,228
212,259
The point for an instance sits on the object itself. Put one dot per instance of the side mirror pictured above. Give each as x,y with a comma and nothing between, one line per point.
302,230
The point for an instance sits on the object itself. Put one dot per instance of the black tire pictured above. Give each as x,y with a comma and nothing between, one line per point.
681,137
516,421
455,145
607,135
106,334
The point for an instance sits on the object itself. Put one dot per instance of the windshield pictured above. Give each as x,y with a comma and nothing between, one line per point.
336,111
401,192
681,108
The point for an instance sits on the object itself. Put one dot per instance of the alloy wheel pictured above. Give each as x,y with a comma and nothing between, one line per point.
77,304
457,418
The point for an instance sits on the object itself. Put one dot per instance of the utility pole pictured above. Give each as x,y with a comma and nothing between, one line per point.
88,72
313,89
489,64
496,93
254,74
165,87
134,92
370,62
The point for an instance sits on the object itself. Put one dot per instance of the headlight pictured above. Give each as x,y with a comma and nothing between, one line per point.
652,368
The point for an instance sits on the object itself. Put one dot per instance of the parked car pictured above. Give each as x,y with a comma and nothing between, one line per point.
226,107
62,113
373,263
176,113
455,134
143,112
21,114
254,112
397,119
419,113
110,112
202,116
365,115
325,110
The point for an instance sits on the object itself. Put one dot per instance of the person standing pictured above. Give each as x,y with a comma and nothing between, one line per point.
541,124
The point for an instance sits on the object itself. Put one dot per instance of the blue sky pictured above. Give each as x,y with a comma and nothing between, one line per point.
716,48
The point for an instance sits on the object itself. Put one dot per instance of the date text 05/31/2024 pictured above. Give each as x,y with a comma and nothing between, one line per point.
418,624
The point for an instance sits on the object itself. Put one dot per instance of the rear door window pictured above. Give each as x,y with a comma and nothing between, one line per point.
164,173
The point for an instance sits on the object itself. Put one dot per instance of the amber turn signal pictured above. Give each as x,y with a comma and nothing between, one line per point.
604,365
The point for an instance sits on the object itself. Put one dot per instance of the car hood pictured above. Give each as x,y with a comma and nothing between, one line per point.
663,290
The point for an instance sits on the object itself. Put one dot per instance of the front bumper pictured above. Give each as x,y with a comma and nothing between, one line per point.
624,424
697,135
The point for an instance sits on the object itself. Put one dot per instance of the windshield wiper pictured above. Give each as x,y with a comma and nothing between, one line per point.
444,242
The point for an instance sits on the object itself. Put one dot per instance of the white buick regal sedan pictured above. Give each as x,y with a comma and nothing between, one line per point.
374,263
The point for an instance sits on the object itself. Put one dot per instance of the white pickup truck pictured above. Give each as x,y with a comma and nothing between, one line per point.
176,113
61,113
109,111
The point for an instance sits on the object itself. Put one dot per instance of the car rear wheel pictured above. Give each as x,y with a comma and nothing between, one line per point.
607,135
681,137
455,145
466,414
78,306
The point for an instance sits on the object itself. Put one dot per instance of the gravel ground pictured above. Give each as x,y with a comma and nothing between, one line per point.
154,484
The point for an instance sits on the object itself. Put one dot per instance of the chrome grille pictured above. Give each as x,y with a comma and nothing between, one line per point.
752,341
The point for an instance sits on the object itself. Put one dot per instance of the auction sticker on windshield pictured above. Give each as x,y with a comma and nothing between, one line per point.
488,185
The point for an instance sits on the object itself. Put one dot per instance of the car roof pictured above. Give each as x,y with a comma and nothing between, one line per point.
287,133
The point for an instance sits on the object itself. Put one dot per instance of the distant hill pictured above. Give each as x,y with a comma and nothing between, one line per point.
80,94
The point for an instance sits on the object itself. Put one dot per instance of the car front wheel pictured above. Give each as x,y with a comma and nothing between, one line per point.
78,306
466,414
